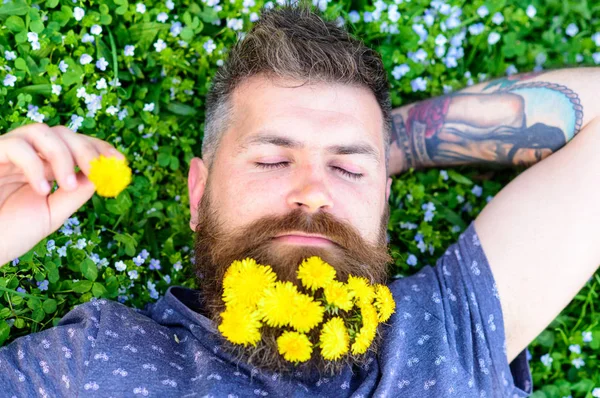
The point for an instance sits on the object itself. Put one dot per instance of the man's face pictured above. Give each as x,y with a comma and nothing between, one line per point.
317,135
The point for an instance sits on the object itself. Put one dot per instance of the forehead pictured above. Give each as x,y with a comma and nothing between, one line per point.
316,114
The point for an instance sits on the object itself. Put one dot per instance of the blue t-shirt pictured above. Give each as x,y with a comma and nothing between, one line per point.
446,339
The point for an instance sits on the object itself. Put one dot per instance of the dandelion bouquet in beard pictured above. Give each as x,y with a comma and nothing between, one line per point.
346,315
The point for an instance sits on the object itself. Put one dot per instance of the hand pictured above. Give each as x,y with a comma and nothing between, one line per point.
30,157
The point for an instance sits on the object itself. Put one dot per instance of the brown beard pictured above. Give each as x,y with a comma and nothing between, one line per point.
216,247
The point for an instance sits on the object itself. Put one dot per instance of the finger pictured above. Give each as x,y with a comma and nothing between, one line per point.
53,149
63,203
88,147
22,154
79,145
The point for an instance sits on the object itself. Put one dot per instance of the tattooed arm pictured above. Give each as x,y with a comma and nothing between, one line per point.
518,120
540,232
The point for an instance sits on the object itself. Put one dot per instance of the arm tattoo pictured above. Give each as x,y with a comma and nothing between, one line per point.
400,136
514,123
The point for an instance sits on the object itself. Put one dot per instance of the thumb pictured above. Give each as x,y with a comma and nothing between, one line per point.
62,203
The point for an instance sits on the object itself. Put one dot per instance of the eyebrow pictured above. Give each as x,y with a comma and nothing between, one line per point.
357,148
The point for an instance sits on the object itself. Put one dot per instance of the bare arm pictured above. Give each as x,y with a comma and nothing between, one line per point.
518,120
540,232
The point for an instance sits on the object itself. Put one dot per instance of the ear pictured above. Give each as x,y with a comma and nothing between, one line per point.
388,189
196,183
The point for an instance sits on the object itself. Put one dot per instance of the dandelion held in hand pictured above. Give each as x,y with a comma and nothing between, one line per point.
323,316
110,175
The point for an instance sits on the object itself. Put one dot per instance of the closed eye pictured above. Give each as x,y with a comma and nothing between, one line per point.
346,173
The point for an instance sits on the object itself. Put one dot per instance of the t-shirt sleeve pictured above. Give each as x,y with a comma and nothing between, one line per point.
52,362
462,292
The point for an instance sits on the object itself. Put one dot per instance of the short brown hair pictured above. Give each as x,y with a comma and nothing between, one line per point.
294,41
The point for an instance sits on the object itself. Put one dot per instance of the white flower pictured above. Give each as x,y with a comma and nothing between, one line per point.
531,11
440,40
162,17
209,46
9,80
120,266
493,38
400,70
133,274
81,92
587,336
140,7
87,38
540,58
32,37
35,45
112,110
419,56
393,13
176,28
578,58
595,38
546,360
129,49
101,64
115,83
596,392
572,30
56,89
476,29
149,107
578,362
511,70
63,66
96,30
576,348
177,266
10,55
596,57
85,59
123,114
420,31
447,88
498,18
34,115
160,45
235,23
418,84
412,260
354,16
254,17
170,5
100,84
75,123
78,13
482,11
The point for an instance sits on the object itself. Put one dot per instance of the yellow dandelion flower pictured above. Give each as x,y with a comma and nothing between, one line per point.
276,302
384,302
315,273
337,293
240,326
334,339
294,346
305,313
362,289
110,175
367,332
245,281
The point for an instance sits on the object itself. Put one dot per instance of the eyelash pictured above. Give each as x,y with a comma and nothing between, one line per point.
354,176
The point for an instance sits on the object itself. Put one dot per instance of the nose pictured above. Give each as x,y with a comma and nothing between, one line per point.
310,192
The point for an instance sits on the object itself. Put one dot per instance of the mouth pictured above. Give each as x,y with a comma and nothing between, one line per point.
298,238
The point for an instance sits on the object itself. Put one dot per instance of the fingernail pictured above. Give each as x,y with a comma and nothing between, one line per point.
117,154
72,181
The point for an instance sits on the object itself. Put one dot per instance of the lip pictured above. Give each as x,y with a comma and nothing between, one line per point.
303,239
